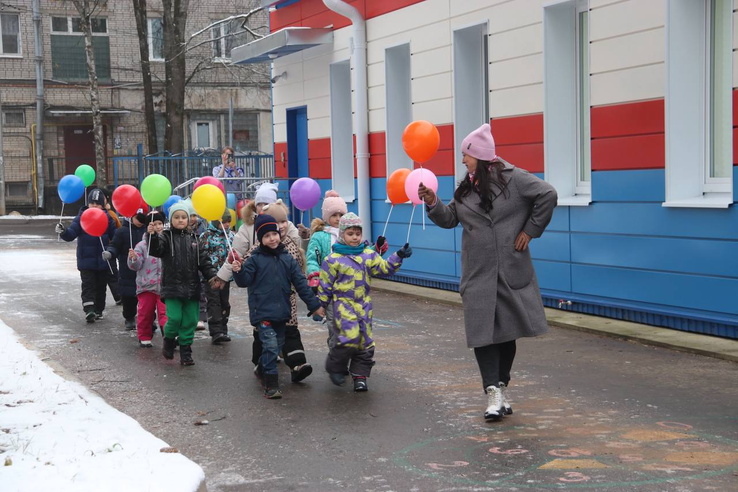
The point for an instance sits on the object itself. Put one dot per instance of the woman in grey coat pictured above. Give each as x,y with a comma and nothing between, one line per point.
501,208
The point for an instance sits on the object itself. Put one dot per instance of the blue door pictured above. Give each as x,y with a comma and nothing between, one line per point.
297,143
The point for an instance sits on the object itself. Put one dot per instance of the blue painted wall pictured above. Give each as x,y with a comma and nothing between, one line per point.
623,256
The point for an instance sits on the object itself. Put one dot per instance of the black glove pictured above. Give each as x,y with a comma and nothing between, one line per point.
59,228
405,252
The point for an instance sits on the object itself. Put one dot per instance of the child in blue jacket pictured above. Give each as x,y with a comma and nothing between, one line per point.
268,274
93,269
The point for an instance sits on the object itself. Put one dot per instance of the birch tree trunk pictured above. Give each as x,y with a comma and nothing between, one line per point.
175,25
140,11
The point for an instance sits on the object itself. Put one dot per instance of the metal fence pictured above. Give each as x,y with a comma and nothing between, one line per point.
182,168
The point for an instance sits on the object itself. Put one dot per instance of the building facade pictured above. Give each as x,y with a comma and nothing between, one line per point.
67,135
626,107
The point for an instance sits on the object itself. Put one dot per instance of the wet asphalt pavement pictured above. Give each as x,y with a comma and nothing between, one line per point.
590,412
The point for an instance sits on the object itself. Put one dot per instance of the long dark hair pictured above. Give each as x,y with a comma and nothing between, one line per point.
487,173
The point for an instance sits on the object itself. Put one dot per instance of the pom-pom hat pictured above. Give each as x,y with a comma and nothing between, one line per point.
332,204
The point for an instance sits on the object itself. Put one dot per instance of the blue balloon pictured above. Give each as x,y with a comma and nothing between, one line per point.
71,188
231,200
170,201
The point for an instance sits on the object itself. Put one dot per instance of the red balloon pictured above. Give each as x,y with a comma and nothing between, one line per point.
94,222
143,206
210,180
421,140
126,200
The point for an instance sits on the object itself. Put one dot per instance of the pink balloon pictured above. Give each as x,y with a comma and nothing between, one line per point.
209,180
414,179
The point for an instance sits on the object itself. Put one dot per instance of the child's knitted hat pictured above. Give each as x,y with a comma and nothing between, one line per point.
96,196
276,210
154,217
267,193
333,203
348,221
265,223
480,144
179,206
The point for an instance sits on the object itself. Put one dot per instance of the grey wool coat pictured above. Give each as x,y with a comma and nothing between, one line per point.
499,289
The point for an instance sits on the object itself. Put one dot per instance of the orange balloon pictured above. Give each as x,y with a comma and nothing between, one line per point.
421,140
396,186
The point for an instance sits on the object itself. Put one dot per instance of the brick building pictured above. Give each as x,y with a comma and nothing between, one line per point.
67,135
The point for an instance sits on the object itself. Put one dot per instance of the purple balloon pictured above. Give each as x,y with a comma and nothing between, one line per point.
305,193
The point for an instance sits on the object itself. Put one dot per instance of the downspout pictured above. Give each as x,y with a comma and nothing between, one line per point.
358,58
39,138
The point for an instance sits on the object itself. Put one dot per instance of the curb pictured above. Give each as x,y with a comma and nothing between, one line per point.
705,345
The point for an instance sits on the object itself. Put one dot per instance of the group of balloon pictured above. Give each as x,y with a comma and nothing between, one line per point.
420,141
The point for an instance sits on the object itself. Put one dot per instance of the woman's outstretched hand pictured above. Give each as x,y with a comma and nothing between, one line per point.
426,194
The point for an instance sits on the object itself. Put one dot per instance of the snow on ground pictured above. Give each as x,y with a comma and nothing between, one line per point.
35,217
57,435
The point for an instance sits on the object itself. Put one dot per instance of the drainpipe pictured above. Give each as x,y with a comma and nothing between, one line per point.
358,59
39,105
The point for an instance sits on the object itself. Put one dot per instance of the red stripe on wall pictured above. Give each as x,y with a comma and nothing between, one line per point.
378,165
447,137
735,147
525,156
320,168
628,119
442,164
319,148
377,143
631,152
518,129
313,13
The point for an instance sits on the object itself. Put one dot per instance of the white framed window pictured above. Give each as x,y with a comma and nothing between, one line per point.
10,40
15,118
699,126
471,84
399,107
73,26
203,134
566,114
227,36
156,38
342,130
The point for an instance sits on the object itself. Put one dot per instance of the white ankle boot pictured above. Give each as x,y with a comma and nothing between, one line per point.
506,408
494,404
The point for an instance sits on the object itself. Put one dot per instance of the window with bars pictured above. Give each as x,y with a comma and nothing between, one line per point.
10,35
69,60
14,118
156,39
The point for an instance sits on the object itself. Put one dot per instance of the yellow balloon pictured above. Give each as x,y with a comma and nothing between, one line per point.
233,217
209,202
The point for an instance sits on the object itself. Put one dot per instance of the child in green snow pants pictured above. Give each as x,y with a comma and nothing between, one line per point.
182,317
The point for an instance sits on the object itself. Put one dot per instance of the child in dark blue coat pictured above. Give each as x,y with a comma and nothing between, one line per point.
93,269
269,274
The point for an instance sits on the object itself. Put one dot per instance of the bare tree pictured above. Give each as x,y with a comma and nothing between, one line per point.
175,27
86,9
140,11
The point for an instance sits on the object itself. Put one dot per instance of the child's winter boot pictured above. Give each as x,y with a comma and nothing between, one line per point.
185,355
337,378
301,372
506,408
271,386
90,316
360,385
130,324
494,405
168,350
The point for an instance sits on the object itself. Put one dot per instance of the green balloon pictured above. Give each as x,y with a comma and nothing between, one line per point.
86,174
155,189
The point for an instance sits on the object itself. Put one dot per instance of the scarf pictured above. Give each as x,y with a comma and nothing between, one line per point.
345,249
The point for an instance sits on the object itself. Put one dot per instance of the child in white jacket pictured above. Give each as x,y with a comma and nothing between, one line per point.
148,284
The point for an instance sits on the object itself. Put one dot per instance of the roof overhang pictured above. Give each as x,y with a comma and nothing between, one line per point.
281,43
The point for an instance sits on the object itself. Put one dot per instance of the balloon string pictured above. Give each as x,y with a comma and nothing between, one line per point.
107,261
301,216
228,242
130,231
410,224
421,182
86,196
148,246
384,233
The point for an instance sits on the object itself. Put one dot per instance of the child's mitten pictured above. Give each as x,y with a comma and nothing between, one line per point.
233,255
107,255
381,245
314,280
59,228
405,252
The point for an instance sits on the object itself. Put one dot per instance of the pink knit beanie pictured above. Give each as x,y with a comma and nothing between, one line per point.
333,203
480,144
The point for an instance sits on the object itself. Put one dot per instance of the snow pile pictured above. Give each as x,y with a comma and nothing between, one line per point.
56,435
35,217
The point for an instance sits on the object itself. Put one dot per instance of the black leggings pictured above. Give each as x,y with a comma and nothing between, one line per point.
495,362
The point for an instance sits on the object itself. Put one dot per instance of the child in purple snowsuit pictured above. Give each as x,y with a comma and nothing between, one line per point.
345,281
